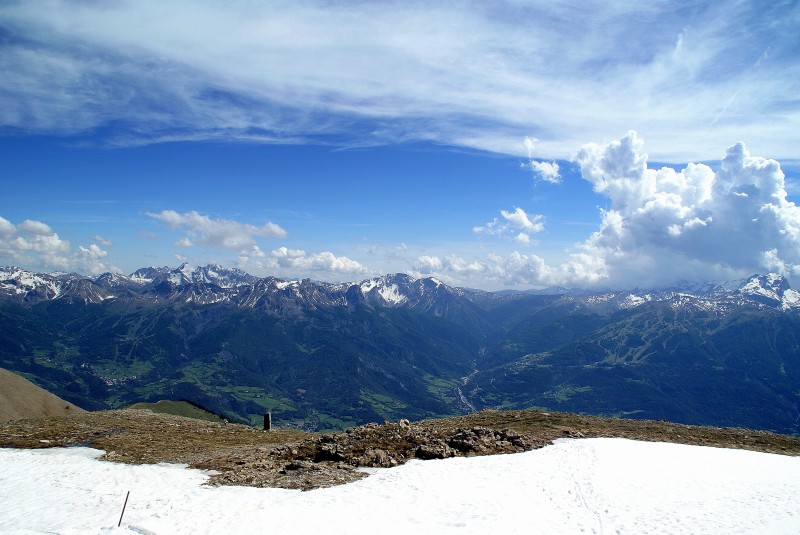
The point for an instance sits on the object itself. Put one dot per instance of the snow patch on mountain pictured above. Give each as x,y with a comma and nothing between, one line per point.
790,299
18,281
367,286
633,300
391,294
281,284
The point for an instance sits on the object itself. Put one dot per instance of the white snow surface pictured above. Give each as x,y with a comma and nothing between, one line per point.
27,281
633,300
791,299
574,486
281,284
368,285
391,294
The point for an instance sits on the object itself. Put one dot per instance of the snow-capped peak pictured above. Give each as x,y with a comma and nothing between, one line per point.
17,281
149,274
772,289
386,287
770,286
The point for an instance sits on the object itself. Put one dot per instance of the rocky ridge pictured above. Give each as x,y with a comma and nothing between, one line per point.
214,284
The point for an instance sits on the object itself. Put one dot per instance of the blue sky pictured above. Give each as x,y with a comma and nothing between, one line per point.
492,145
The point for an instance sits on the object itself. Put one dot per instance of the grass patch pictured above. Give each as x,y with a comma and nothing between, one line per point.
387,407
117,372
178,408
565,392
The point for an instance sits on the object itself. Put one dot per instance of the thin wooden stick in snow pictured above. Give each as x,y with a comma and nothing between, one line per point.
123,509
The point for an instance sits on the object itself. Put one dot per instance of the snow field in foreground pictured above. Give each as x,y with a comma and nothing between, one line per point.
574,486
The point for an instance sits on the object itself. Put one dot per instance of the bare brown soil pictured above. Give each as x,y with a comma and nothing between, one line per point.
19,398
241,455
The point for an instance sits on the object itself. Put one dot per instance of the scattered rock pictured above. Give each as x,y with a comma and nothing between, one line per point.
378,458
329,452
435,450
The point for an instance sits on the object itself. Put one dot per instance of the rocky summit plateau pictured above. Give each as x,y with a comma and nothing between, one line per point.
321,356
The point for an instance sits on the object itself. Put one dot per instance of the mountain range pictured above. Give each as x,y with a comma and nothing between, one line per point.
328,356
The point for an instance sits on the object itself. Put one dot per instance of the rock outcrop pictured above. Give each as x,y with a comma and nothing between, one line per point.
332,459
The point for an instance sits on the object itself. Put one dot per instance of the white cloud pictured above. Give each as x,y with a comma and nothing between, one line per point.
692,223
226,233
547,171
519,219
92,260
661,225
491,271
492,228
517,222
102,241
326,261
481,76
34,245
453,268
427,265
523,238
297,263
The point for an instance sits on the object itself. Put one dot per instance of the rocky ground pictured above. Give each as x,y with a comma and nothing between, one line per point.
241,455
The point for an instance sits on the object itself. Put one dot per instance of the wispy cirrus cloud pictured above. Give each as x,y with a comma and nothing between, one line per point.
483,75
103,241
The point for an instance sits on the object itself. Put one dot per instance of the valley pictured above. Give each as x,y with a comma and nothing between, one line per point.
322,356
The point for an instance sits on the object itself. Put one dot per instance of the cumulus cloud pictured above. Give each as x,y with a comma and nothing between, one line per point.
33,244
518,219
660,226
296,262
664,223
547,171
427,265
517,222
226,233
324,261
93,260
515,269
183,243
